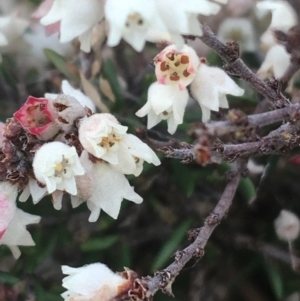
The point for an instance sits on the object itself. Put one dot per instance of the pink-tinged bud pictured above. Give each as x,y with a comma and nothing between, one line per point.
37,116
174,67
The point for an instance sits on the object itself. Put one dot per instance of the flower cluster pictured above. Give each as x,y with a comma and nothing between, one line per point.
133,20
58,145
168,97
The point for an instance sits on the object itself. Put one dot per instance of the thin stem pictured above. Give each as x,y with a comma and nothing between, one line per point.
220,128
196,249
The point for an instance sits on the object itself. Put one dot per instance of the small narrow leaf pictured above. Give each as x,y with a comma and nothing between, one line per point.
65,67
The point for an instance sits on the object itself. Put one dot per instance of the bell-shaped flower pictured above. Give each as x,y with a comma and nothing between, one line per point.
105,138
165,102
103,187
276,62
13,221
140,152
77,19
130,20
239,30
287,226
210,87
174,67
68,90
283,15
55,165
181,18
37,116
93,282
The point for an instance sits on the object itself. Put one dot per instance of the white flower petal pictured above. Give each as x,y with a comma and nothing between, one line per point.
94,281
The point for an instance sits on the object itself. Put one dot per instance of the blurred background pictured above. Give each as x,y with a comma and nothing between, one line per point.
244,259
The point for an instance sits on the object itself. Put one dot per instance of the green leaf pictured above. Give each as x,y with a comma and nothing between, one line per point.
8,278
99,243
171,245
186,177
275,281
247,189
65,67
111,75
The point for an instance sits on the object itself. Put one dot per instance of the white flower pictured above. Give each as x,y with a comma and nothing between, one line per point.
174,67
255,168
103,188
11,29
77,19
165,102
56,164
68,90
210,87
103,137
131,19
276,62
239,30
13,221
267,40
140,152
181,17
91,282
33,189
283,15
287,226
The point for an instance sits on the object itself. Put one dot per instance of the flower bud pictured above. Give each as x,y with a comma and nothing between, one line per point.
287,226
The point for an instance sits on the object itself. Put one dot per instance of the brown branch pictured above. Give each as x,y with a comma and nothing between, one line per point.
281,140
163,279
220,128
289,73
235,66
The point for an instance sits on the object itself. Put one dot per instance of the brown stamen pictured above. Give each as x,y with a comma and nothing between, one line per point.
186,73
171,56
184,59
174,77
164,66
